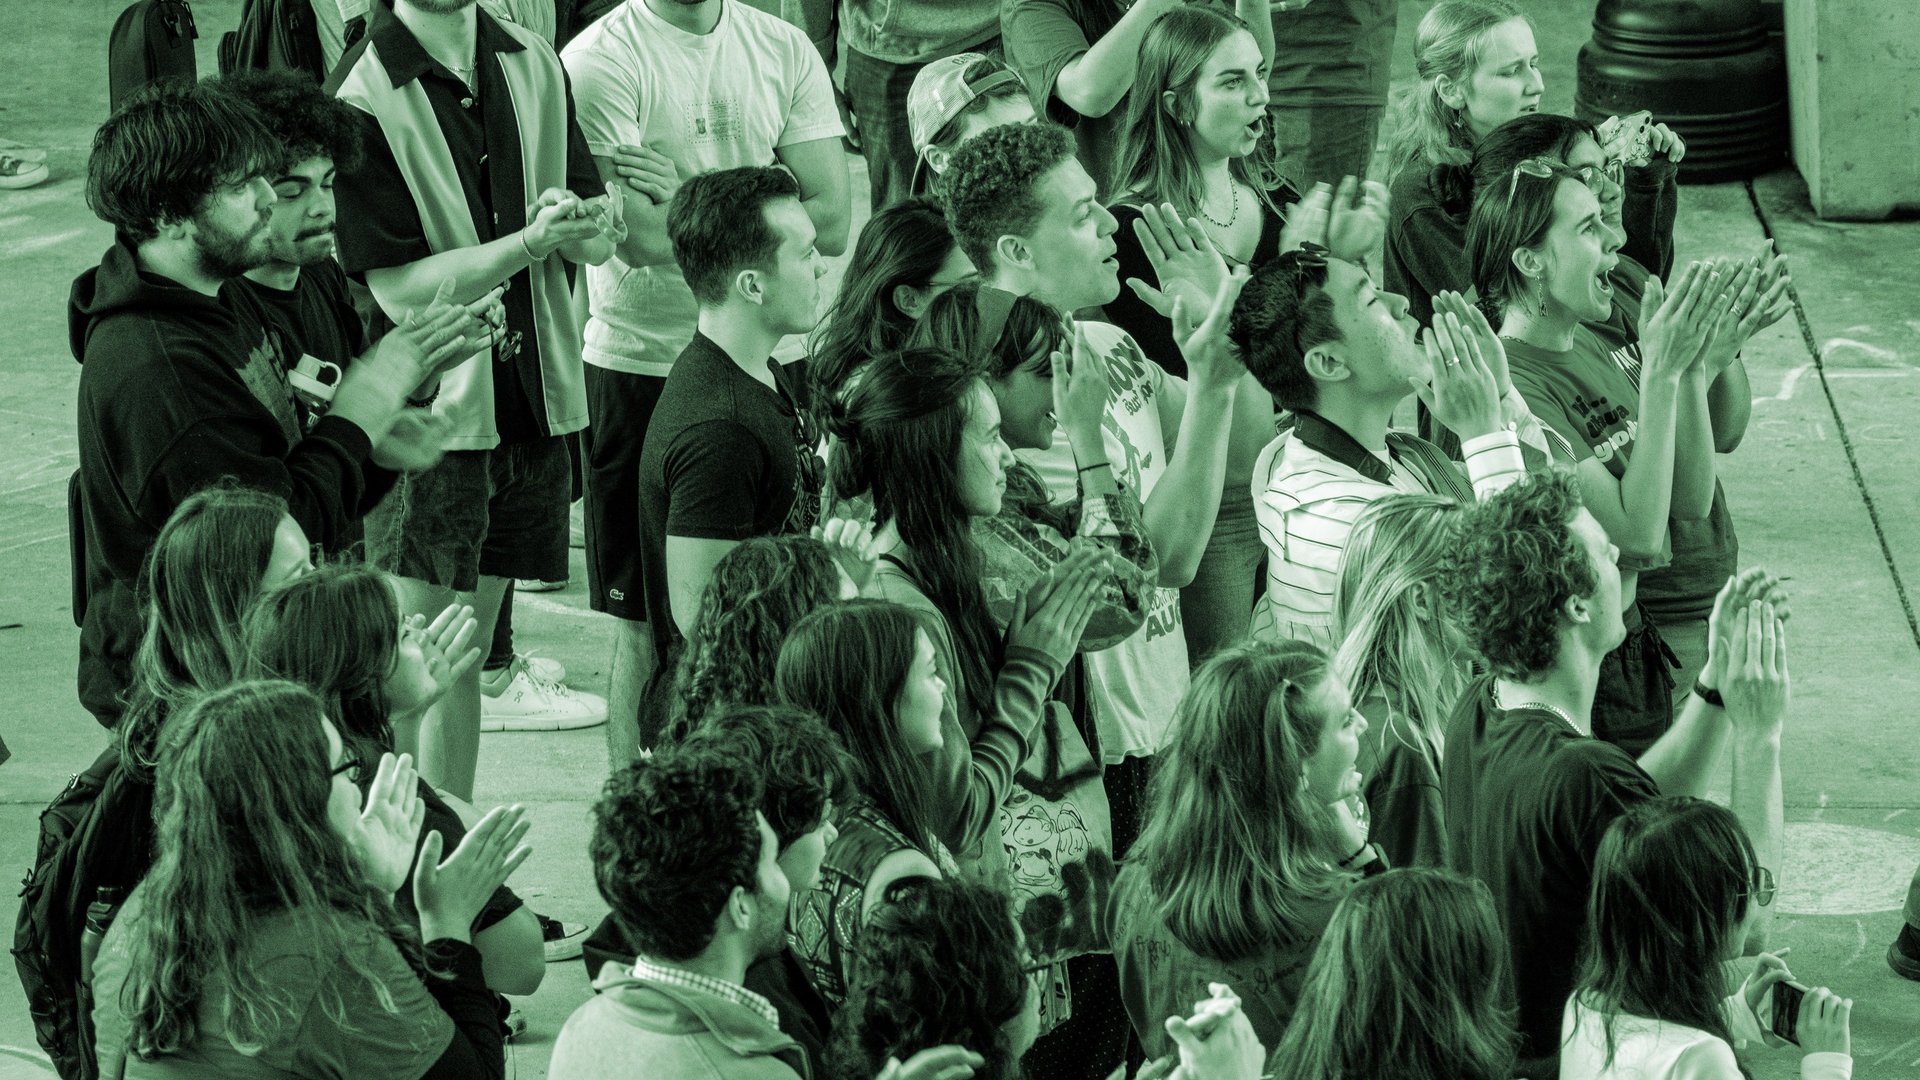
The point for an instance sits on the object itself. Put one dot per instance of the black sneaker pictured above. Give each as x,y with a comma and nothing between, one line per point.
1903,956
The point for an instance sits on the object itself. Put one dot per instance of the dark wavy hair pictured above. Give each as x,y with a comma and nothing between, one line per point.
804,766
904,244
673,836
1283,312
1534,135
1498,227
991,185
348,662
900,438
939,964
718,226
848,662
1671,884
1032,332
170,148
757,592
1515,564
203,571
309,121
1410,982
1231,843
242,833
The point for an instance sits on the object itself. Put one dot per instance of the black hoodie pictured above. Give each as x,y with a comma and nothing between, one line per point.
180,391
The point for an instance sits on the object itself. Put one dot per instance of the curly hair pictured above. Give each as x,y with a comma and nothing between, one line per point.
992,185
169,149
233,847
805,767
673,836
718,226
309,121
939,964
757,592
1514,565
348,666
1284,310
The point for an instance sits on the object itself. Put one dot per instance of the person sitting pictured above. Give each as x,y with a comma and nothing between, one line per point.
1677,887
265,942
1406,664
1410,983
867,668
941,963
690,865
1527,791
378,675
1251,801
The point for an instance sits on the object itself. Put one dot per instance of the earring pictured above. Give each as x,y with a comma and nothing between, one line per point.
1543,302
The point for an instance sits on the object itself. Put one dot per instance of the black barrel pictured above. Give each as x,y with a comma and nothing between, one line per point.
1706,68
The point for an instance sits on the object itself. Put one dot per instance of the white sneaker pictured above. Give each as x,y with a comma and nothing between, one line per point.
525,703
543,668
537,585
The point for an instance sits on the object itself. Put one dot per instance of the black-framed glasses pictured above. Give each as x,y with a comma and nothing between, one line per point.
349,768
1762,888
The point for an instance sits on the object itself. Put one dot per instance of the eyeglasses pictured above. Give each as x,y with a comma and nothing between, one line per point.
1538,168
1761,888
349,768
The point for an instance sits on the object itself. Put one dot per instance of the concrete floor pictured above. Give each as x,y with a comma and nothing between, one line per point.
1821,491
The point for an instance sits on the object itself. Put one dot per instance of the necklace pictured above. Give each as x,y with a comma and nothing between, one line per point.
1231,218
1535,704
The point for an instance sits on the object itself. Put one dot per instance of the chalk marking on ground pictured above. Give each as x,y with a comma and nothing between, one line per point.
1893,815
1790,380
1845,869
38,243
1882,1059
541,603
1859,943
30,543
33,1055
1821,810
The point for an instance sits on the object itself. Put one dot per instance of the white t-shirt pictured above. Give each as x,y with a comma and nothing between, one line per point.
1646,1049
1135,685
707,101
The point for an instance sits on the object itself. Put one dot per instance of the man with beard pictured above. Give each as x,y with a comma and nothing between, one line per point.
184,382
690,867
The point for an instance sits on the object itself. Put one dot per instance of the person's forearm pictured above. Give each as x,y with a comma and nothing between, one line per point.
832,220
1730,406
1693,464
473,271
1186,499
1094,82
1682,762
1095,472
1253,414
1646,489
592,251
1758,803
1258,15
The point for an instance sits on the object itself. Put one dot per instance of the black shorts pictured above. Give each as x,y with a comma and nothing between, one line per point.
499,512
619,405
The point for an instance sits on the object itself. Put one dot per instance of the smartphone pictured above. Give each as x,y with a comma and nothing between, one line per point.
1626,139
1786,1010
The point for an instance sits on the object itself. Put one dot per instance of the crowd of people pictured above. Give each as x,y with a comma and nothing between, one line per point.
1070,668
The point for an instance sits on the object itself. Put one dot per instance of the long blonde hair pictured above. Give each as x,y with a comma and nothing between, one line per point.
1450,41
1396,642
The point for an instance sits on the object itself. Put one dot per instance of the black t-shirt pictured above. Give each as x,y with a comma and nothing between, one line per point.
1527,800
725,458
317,313
380,226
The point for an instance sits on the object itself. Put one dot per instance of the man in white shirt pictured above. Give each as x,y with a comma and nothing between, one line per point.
665,89
1342,357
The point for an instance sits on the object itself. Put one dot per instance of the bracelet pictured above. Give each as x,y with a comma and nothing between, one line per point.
424,402
529,248
1347,863
1096,465
1709,695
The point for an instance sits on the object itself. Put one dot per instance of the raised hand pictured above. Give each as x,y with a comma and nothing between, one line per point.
1356,219
389,823
1218,1041
1461,393
1212,360
1183,258
450,895
447,652
647,171
1080,385
1755,683
1673,326
1052,614
1306,220
1480,336
850,542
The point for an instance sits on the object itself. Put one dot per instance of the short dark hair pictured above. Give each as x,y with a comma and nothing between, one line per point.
309,121
991,182
803,765
1283,312
672,838
717,223
1515,564
169,148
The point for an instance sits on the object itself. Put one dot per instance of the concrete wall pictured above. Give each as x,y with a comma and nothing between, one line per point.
1853,73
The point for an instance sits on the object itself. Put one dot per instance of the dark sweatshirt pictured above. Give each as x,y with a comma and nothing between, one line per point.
179,391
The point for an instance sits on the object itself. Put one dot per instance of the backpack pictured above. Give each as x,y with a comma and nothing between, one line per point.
152,40
96,835
274,34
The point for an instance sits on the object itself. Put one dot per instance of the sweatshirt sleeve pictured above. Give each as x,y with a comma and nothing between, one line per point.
478,1046
326,477
1023,542
1425,255
1647,213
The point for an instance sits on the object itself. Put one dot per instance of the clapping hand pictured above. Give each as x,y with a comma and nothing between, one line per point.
1675,322
1461,393
1183,258
389,823
1212,360
1479,334
1054,611
435,339
1217,1042
1754,681
415,442
938,1063
850,542
447,652
450,895
1771,301
1349,222
1080,388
